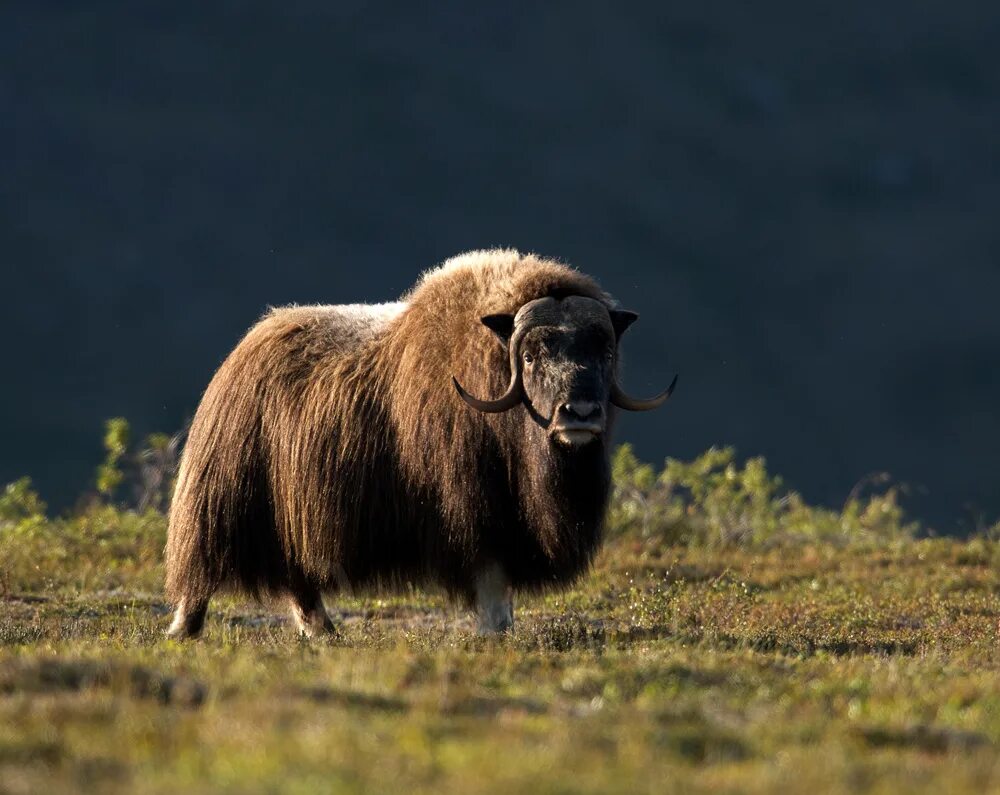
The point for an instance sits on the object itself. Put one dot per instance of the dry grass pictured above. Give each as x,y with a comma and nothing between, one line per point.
810,668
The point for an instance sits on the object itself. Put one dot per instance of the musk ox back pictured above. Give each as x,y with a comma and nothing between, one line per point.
356,446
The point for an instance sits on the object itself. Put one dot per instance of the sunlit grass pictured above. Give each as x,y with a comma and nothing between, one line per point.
763,661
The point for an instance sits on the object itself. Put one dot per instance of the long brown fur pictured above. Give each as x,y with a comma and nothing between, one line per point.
328,453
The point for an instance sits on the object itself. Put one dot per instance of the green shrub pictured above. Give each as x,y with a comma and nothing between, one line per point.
109,474
713,501
20,502
103,545
101,548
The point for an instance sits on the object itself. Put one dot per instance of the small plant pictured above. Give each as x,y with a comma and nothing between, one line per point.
714,501
110,474
104,544
157,467
148,472
19,502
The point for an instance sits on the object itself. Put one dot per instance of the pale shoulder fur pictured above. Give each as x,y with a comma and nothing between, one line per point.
346,325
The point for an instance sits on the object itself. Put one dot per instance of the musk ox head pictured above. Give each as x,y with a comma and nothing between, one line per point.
563,361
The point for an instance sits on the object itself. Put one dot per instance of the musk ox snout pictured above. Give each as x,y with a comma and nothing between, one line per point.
581,413
578,422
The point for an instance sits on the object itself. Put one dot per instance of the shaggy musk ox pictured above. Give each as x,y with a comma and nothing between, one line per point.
352,446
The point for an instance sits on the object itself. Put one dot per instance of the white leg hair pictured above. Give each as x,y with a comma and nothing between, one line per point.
189,618
309,613
494,601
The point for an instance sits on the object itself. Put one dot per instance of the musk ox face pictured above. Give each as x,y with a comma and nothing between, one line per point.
567,370
563,356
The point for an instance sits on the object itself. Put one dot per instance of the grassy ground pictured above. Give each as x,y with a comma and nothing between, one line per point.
731,638
866,667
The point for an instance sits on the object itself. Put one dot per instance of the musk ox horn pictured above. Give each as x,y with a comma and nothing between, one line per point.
503,403
623,401
514,392
531,314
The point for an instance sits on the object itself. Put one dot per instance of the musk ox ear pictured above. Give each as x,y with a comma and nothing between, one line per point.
621,319
501,325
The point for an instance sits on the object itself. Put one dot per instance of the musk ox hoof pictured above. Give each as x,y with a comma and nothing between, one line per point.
494,601
495,625
316,628
309,614
189,619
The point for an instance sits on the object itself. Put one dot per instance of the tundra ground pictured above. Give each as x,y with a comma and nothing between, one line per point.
731,638
819,668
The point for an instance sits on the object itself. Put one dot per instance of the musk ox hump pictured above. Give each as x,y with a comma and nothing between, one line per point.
343,326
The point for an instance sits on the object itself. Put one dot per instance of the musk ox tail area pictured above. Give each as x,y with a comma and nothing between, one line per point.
222,529
257,506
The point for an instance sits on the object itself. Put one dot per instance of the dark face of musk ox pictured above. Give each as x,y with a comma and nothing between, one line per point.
567,371
563,356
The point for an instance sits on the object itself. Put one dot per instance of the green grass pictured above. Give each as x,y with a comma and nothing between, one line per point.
690,660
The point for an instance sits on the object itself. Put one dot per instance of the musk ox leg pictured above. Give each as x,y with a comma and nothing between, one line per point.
309,613
494,600
189,618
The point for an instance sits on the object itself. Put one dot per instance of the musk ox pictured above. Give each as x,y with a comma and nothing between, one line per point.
356,446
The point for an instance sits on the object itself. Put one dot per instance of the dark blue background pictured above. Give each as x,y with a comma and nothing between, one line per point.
802,203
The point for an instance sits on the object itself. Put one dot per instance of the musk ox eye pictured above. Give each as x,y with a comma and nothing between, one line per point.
528,358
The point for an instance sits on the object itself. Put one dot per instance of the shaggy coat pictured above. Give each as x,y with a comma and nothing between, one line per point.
330,449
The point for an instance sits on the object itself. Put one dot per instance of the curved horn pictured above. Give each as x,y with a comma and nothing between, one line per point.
503,403
514,392
532,313
623,401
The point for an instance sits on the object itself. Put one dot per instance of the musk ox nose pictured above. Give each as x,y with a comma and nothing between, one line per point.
580,411
577,423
